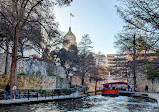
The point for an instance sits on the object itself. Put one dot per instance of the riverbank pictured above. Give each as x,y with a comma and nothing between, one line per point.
154,96
150,95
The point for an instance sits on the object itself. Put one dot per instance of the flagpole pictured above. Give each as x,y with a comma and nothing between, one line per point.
70,19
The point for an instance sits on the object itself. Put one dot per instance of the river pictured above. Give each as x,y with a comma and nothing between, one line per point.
96,103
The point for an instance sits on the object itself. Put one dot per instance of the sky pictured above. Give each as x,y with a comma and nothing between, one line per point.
98,18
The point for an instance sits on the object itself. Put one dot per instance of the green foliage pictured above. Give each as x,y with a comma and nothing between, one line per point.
43,91
85,45
81,88
157,51
51,74
144,94
2,86
150,60
38,73
151,72
64,91
24,74
1,96
68,57
142,44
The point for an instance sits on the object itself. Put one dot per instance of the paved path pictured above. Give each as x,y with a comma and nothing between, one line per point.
150,95
40,99
154,96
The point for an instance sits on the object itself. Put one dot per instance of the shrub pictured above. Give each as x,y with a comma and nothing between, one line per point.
51,74
22,74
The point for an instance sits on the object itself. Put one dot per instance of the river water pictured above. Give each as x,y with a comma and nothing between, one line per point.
96,103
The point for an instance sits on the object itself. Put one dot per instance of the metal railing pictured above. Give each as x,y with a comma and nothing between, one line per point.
45,93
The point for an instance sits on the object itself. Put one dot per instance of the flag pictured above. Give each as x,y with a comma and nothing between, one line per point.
71,15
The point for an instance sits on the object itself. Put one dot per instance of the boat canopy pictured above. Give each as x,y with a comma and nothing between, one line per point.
114,83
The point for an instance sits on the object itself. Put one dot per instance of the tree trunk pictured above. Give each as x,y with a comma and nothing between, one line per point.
96,87
13,76
134,63
152,85
6,62
82,82
70,81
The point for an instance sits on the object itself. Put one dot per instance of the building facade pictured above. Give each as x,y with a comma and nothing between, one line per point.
100,60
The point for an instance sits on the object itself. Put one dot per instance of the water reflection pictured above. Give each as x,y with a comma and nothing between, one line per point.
90,104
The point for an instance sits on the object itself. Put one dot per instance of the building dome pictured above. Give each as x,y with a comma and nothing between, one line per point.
69,40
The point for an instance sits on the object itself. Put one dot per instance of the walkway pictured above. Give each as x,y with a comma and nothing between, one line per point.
40,99
150,95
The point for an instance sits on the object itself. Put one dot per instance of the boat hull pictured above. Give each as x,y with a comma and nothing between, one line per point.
112,93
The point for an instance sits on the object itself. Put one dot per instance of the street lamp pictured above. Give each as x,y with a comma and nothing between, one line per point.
70,75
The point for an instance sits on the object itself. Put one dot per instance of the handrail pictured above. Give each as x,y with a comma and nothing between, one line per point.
44,92
44,88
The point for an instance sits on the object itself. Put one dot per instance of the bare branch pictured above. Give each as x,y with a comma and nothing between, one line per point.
28,15
5,17
5,50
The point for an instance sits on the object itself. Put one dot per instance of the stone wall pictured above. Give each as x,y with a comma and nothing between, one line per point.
141,77
89,83
27,66
33,68
2,63
30,81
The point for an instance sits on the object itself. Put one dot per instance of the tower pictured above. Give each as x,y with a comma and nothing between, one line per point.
69,40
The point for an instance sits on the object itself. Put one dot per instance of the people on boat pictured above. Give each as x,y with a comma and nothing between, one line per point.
121,88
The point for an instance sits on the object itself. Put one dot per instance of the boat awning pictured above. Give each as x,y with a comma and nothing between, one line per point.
115,83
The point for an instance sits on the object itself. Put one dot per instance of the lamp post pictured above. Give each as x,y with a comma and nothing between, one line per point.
70,76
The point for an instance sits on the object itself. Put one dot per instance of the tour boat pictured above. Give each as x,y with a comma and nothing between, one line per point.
111,91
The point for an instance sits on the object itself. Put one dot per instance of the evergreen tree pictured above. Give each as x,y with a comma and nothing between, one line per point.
86,58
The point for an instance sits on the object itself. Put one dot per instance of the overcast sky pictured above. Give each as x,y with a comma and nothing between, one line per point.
98,18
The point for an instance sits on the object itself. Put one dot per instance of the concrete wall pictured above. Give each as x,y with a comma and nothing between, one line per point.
141,77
